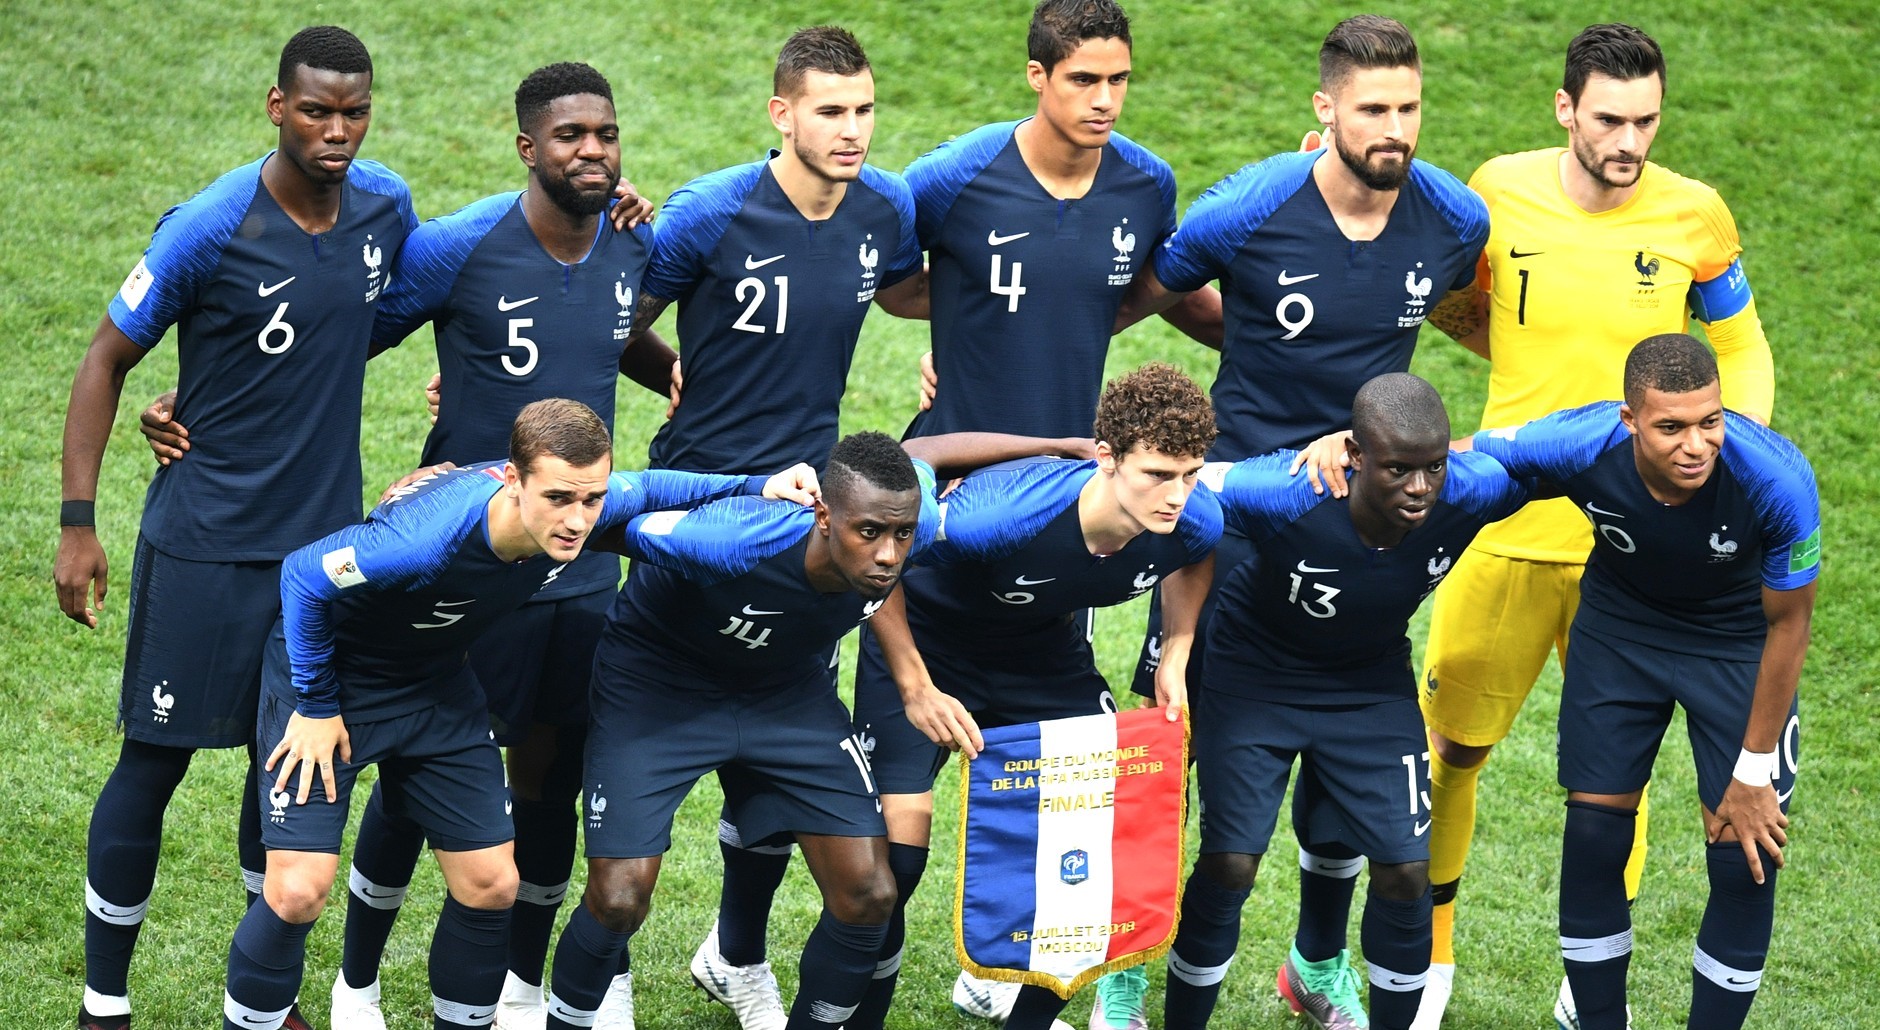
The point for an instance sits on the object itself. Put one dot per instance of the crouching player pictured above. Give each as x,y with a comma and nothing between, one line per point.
1308,662
368,665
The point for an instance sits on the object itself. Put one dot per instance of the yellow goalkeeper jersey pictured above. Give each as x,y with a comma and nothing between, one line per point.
1570,293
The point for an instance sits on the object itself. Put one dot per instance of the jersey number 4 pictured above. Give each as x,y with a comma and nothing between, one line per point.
1012,289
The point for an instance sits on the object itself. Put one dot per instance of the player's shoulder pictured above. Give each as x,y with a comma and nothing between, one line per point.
1262,488
1257,190
713,191
721,540
890,185
1679,188
1525,169
1023,472
372,177
1142,159
446,489
220,205
1459,205
967,153
465,226
1201,520
1671,198
1478,483
1764,459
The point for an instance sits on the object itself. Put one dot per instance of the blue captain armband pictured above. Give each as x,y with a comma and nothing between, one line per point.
1717,299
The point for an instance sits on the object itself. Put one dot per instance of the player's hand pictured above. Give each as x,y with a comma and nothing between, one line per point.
79,574
1325,461
929,381
415,476
309,744
1171,691
434,395
1317,139
1755,813
678,386
796,483
945,721
633,209
168,438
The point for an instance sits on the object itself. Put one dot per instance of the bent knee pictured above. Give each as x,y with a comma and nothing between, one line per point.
1405,881
487,888
1231,870
296,898
619,901
1459,756
865,901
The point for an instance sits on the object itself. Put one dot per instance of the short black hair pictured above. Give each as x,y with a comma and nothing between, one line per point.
820,48
1401,407
1059,27
1671,362
1365,41
550,83
1614,50
327,48
867,457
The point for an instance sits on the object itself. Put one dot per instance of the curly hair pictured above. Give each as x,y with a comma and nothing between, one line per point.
550,83
1159,407
326,48
867,457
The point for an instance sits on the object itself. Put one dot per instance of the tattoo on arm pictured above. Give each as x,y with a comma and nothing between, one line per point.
1461,312
645,314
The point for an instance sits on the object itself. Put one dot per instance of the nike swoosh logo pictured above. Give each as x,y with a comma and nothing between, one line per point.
1288,280
748,610
368,892
252,1021
1303,567
105,911
1517,254
1575,947
1782,796
455,604
478,1017
1597,510
1421,828
505,304
1023,582
994,239
269,291
1734,980
1396,982
751,263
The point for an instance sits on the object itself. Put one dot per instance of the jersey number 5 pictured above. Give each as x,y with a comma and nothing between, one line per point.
517,341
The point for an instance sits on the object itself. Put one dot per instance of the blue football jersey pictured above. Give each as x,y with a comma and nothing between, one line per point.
1311,316
273,325
1025,286
1685,578
1316,617
719,599
1011,575
515,325
379,617
770,307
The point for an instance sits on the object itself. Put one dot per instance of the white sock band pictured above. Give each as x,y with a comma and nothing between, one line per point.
116,915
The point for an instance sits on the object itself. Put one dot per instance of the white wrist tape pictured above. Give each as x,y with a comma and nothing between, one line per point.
1755,768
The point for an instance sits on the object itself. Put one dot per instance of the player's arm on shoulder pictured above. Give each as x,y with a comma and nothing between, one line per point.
1554,447
80,572
1147,296
1198,315
1462,315
955,454
1258,495
908,298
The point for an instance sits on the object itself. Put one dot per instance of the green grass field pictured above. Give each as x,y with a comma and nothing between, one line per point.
122,109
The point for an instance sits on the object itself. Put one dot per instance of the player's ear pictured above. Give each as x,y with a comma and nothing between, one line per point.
1106,455
1037,76
1324,107
512,480
525,149
277,105
781,116
1628,417
1563,108
1354,453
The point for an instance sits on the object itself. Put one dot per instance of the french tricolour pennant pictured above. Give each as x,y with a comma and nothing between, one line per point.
1071,848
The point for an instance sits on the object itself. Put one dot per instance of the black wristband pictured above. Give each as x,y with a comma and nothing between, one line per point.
77,513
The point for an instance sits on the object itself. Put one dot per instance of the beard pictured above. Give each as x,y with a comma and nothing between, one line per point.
824,166
1595,166
1382,178
576,201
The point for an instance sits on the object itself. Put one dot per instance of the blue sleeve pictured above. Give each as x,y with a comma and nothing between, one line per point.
1219,221
1556,447
184,252
937,177
997,510
1459,205
1201,523
927,530
374,177
905,260
1714,300
719,541
1258,497
690,226
1145,161
1781,487
428,267
1480,485
630,494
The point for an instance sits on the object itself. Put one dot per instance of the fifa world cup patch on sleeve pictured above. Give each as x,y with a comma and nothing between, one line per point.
342,567
136,285
1806,554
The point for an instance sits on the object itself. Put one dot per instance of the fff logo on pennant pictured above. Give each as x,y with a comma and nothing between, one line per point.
1074,867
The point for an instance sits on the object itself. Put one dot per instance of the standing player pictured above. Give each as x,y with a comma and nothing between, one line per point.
1699,590
271,276
1027,549
1353,571
369,665
1593,248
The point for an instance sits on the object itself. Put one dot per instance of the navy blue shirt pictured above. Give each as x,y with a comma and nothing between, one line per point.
1310,315
273,326
1011,571
515,325
1025,286
1686,578
719,599
379,617
1316,617
770,307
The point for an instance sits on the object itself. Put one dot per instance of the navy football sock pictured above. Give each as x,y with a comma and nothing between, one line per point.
1204,948
466,964
907,862
838,962
585,960
1328,876
1396,938
384,856
1595,921
1733,940
265,963
121,858
545,845
751,880
248,848
1035,1009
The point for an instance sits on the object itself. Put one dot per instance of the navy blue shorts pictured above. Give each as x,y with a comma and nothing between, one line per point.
996,693
1615,706
1364,775
192,656
534,663
790,753
1230,552
438,767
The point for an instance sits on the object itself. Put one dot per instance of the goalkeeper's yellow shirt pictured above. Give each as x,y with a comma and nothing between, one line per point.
1570,293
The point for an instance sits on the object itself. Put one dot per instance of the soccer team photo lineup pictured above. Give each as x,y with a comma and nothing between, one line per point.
1138,515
